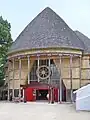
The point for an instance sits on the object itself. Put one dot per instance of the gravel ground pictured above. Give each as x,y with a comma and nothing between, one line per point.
40,111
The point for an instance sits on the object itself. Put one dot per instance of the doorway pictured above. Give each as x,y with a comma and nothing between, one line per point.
41,94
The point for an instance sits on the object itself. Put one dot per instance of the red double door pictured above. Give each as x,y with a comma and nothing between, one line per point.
30,94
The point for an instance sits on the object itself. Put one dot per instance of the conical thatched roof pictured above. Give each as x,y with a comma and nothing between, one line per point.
46,30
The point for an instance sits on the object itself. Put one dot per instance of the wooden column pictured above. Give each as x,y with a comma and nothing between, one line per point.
71,78
19,77
49,81
13,79
8,82
60,91
38,68
23,93
28,69
80,63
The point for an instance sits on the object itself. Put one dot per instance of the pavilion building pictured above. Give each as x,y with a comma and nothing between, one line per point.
48,57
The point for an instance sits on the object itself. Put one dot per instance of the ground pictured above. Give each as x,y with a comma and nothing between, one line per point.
40,111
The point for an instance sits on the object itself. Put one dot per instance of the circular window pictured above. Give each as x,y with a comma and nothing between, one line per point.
43,72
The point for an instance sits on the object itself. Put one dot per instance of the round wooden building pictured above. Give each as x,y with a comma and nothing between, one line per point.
48,57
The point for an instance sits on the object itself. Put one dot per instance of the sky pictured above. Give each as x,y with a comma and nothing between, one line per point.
76,13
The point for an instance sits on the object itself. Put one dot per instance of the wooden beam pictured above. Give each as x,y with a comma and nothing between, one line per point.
44,53
38,67
28,69
49,63
13,79
80,62
19,76
71,77
85,68
60,79
8,83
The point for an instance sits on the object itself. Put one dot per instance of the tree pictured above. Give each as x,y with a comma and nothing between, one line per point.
5,42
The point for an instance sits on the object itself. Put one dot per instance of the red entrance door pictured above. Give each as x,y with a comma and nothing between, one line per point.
56,94
29,94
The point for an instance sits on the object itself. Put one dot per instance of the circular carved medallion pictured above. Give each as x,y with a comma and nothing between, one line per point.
43,72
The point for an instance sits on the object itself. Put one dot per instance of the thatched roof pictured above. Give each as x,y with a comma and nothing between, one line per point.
46,30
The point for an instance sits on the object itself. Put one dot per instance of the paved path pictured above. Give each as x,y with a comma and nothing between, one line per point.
40,111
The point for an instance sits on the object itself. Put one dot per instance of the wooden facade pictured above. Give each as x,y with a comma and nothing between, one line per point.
49,44
73,68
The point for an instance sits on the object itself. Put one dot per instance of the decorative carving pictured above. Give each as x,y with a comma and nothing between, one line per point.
43,72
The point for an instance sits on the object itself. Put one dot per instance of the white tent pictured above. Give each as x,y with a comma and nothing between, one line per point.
83,98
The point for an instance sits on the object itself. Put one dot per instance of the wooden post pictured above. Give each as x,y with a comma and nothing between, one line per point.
60,79
13,80
58,95
80,62
38,68
19,76
71,77
50,84
49,81
28,70
23,93
8,83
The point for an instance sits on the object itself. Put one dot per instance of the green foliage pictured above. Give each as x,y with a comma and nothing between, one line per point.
5,42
